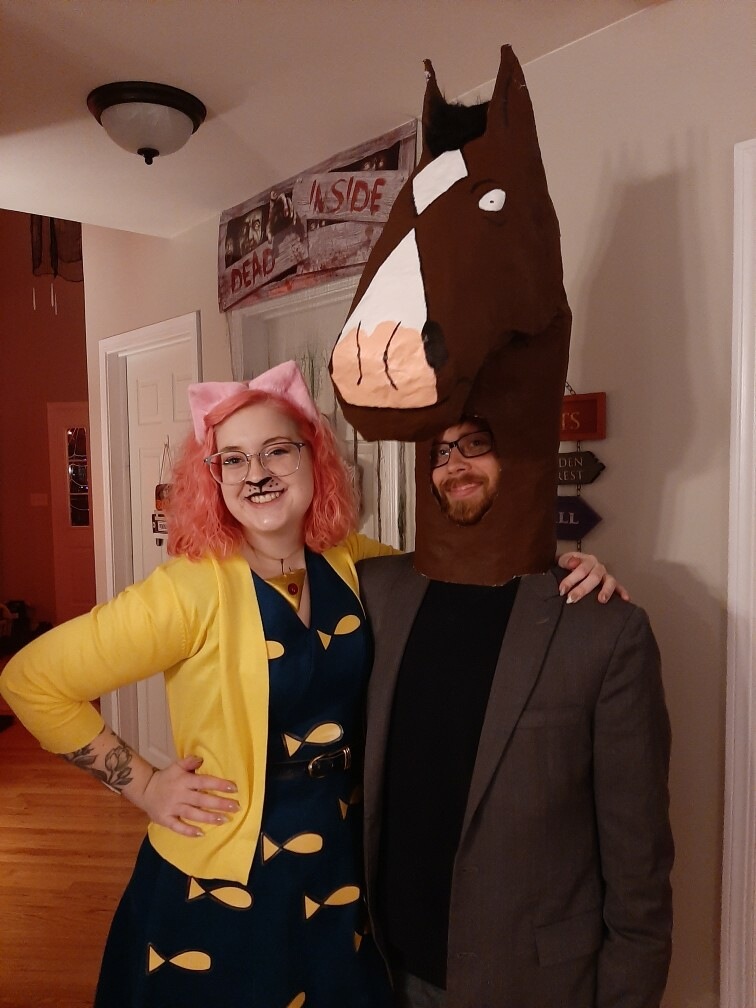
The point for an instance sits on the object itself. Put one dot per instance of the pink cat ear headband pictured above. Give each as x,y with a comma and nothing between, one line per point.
284,380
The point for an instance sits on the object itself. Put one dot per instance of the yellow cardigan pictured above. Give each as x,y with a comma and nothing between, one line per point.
199,623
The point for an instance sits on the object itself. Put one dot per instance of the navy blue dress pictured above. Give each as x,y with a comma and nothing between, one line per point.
296,936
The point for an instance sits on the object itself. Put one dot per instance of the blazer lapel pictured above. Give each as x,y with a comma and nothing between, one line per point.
531,626
392,603
391,621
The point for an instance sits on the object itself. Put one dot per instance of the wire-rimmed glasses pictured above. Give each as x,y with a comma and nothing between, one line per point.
469,446
278,459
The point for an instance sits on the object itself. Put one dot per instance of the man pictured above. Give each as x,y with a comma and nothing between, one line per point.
517,838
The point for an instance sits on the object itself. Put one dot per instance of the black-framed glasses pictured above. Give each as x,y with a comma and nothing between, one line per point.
278,459
470,445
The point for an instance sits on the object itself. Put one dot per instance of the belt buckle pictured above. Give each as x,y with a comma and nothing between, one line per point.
320,765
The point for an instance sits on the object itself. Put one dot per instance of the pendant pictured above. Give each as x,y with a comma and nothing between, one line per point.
289,585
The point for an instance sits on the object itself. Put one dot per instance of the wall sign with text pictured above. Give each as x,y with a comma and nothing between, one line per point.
577,468
583,419
318,224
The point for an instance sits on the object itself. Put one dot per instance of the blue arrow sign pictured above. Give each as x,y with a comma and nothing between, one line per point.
574,518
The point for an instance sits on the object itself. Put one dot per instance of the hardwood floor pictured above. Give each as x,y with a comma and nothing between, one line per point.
67,846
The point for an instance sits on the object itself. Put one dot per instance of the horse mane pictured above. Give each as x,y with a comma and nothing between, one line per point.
450,125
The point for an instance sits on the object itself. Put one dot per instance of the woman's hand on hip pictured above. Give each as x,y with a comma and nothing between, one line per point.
179,797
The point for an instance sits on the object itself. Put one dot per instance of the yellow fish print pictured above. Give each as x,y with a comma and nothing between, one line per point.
321,734
346,625
301,843
274,648
354,799
230,896
199,962
339,897
359,935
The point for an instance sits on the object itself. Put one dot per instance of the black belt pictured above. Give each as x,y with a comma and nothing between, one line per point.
318,766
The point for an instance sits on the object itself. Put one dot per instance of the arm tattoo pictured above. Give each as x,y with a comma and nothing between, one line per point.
117,773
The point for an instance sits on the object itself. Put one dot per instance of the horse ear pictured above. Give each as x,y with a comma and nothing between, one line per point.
510,110
447,125
434,106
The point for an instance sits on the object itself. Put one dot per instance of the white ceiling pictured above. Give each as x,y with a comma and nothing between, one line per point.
287,83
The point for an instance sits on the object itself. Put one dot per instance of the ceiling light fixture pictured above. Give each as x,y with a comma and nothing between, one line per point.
146,119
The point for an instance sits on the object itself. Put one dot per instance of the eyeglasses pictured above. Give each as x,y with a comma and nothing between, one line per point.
279,459
469,446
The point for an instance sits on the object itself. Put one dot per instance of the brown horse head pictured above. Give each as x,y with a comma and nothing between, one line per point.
461,310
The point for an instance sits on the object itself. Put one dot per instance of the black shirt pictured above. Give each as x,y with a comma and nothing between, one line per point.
439,706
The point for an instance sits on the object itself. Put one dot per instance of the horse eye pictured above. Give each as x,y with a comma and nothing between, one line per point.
493,200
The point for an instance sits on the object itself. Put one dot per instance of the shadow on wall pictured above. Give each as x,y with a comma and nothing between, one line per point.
644,328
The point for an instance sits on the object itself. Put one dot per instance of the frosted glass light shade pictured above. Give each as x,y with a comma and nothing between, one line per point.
138,126
145,118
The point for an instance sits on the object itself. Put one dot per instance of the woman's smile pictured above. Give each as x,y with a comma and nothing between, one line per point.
258,497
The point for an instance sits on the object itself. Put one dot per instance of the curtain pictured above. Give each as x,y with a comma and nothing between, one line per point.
56,248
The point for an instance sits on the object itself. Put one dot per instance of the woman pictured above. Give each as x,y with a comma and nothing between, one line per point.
247,889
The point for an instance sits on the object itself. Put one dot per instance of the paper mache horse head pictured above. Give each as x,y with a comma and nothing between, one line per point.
461,310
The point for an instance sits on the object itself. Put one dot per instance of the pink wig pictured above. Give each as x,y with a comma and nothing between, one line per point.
201,525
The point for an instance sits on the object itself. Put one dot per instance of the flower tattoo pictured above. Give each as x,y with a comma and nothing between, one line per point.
117,773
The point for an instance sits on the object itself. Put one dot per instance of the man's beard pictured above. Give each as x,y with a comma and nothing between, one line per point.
470,510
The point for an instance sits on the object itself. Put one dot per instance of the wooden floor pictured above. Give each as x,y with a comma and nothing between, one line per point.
67,846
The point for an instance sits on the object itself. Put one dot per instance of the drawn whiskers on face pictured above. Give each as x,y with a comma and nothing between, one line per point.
261,493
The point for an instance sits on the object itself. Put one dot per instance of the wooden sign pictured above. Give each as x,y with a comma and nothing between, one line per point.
574,518
578,467
267,261
583,417
345,196
319,223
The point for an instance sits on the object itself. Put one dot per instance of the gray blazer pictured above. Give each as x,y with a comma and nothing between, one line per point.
560,892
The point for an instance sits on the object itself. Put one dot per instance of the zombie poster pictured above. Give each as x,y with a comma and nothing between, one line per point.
322,221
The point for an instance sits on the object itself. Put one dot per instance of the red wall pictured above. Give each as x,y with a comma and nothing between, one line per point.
42,359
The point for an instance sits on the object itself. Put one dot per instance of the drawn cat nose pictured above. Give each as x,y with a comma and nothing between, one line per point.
434,345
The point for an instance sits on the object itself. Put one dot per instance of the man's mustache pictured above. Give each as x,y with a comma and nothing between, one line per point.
454,481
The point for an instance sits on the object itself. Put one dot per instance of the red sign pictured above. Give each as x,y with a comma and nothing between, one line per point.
583,417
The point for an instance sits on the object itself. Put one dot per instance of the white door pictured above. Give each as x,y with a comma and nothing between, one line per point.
146,373
159,420
73,547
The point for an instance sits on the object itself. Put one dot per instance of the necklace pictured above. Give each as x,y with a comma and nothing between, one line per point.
289,583
274,559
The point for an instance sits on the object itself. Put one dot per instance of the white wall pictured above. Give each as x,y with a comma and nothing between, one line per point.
637,127
132,281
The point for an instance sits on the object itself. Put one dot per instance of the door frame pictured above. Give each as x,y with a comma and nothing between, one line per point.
738,935
119,708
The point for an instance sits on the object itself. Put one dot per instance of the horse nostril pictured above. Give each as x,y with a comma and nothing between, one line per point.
434,345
